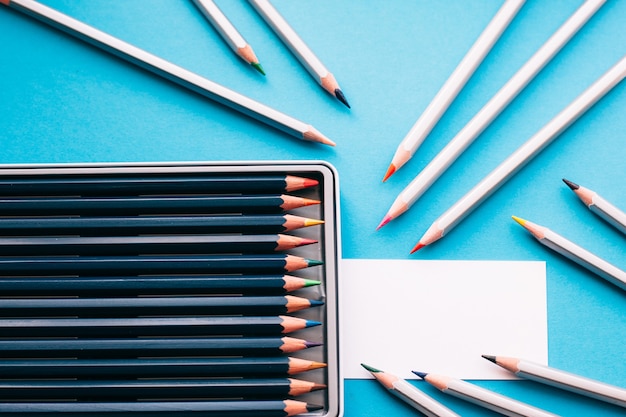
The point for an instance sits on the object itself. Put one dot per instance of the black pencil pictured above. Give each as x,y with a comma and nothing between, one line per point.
129,225
150,285
112,390
267,408
151,347
43,206
160,244
153,326
150,184
153,264
156,367
155,306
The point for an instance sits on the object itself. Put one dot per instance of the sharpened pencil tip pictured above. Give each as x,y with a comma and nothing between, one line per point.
386,220
312,344
519,220
417,247
312,323
489,358
341,97
257,66
313,407
310,182
390,171
371,369
316,365
316,303
312,222
572,185
311,283
314,262
422,375
304,241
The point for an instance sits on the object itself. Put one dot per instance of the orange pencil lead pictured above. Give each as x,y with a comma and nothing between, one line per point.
390,171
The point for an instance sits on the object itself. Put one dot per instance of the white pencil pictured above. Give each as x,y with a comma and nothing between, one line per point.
598,205
230,34
575,253
482,397
453,85
410,394
561,379
412,192
167,70
459,210
297,46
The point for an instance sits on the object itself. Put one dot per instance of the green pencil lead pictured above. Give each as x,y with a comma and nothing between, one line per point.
257,66
311,282
369,368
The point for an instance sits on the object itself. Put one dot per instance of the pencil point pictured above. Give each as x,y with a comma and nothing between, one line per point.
422,375
314,135
311,283
371,369
341,97
519,220
312,344
257,66
313,407
312,323
489,358
314,262
316,303
386,220
417,247
573,186
390,171
305,241
312,222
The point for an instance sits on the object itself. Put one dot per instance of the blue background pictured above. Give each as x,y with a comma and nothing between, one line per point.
64,101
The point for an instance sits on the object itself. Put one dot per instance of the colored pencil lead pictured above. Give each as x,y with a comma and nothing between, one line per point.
314,262
311,283
341,97
312,323
390,171
420,374
308,344
385,220
312,407
417,247
257,66
571,185
369,368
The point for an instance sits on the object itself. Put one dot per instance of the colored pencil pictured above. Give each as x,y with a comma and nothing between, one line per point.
455,214
453,85
156,367
410,394
169,71
561,379
228,32
301,51
150,184
40,206
151,347
160,244
112,390
481,396
153,326
154,306
572,251
490,111
129,225
153,264
157,284
267,408
598,205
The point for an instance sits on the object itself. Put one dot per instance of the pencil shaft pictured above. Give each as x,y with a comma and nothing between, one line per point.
148,326
153,367
149,184
440,163
457,212
268,408
151,264
152,306
111,390
129,225
161,284
167,70
136,245
145,205
453,85
420,401
149,347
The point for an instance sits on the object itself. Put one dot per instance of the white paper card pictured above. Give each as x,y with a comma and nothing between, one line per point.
441,316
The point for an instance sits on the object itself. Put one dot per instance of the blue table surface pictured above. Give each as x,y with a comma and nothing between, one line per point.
64,101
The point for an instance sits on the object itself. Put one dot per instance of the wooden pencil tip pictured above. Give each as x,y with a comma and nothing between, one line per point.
390,171
371,369
489,358
314,135
417,247
341,97
573,186
422,375
310,182
519,220
257,66
317,386
385,220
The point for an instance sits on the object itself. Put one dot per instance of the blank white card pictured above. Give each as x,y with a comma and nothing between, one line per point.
441,316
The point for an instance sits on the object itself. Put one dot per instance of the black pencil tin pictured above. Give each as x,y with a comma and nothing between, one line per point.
327,249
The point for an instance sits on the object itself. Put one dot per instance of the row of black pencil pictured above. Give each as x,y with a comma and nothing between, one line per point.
158,294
